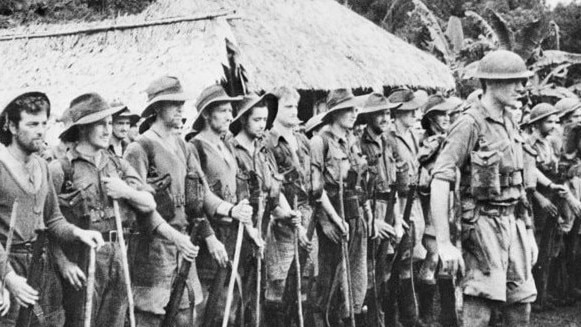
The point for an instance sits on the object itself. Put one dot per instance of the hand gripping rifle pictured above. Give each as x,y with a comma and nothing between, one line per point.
179,284
34,279
345,264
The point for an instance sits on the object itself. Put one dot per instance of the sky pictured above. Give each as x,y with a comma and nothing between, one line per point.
553,3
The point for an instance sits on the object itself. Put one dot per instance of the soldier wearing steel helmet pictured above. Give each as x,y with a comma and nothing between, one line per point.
485,145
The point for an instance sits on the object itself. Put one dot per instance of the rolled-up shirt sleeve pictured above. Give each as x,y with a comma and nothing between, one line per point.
456,149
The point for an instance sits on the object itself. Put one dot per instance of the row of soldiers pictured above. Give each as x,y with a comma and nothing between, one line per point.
250,222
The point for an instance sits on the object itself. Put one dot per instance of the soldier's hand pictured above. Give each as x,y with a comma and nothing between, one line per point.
24,294
559,188
548,206
384,230
4,302
304,240
451,258
72,274
186,248
296,218
332,232
399,230
116,188
575,206
92,238
243,212
217,251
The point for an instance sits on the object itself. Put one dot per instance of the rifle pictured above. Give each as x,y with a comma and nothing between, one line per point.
179,284
34,279
257,201
90,289
124,261
345,265
374,303
233,273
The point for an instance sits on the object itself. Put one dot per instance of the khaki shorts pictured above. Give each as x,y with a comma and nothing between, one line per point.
497,253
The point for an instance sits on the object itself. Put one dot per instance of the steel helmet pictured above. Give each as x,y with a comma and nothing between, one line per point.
502,64
567,106
541,111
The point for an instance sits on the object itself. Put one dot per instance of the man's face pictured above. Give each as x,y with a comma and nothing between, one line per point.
99,133
219,118
379,121
407,118
121,126
288,111
507,92
574,117
171,114
30,132
256,122
548,125
346,118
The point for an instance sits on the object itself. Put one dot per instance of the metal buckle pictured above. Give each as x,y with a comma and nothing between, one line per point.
113,236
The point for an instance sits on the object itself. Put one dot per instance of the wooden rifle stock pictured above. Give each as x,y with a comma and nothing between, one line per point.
34,279
177,290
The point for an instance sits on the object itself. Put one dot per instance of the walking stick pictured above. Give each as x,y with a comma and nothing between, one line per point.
124,261
90,288
9,242
298,269
233,274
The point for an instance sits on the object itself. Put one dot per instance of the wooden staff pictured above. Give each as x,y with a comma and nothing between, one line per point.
298,269
232,281
123,249
9,242
90,288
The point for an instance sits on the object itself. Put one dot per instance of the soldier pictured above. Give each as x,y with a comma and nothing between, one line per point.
336,158
407,143
292,156
168,164
255,162
87,179
549,208
122,122
458,107
379,150
221,170
29,203
485,145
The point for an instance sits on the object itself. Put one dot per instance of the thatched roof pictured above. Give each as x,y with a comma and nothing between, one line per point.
306,44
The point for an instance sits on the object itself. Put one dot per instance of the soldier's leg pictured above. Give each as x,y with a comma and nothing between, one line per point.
427,280
109,279
476,311
407,299
517,315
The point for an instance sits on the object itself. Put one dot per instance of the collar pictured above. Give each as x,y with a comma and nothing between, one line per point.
73,155
370,136
277,136
488,115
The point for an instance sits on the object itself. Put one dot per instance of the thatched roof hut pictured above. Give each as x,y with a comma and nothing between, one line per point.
306,44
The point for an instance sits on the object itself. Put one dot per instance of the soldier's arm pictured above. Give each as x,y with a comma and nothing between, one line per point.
317,166
138,197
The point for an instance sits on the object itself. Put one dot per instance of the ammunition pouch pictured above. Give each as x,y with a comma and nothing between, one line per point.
163,197
194,189
74,207
402,180
352,204
485,175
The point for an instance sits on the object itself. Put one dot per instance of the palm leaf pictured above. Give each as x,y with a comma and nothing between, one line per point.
530,38
503,33
431,26
455,33
487,30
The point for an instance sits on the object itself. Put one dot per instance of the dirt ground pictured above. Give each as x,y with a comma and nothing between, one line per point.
560,317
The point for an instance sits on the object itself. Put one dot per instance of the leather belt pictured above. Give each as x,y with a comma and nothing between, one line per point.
112,235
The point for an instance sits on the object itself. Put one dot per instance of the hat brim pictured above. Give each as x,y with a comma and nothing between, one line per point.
89,119
133,118
570,110
420,99
199,122
543,116
16,94
176,97
355,102
523,75
235,125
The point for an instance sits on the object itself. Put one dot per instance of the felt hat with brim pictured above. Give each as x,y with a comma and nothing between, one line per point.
314,122
210,96
83,110
409,100
125,113
541,111
245,105
341,99
165,88
436,103
457,105
7,99
373,103
567,105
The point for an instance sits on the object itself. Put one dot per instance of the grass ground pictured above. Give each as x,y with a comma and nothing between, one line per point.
560,317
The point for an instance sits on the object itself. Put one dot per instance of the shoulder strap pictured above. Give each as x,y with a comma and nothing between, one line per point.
201,152
478,117
67,167
145,143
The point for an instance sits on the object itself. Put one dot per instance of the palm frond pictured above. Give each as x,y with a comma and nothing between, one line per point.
530,38
503,33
